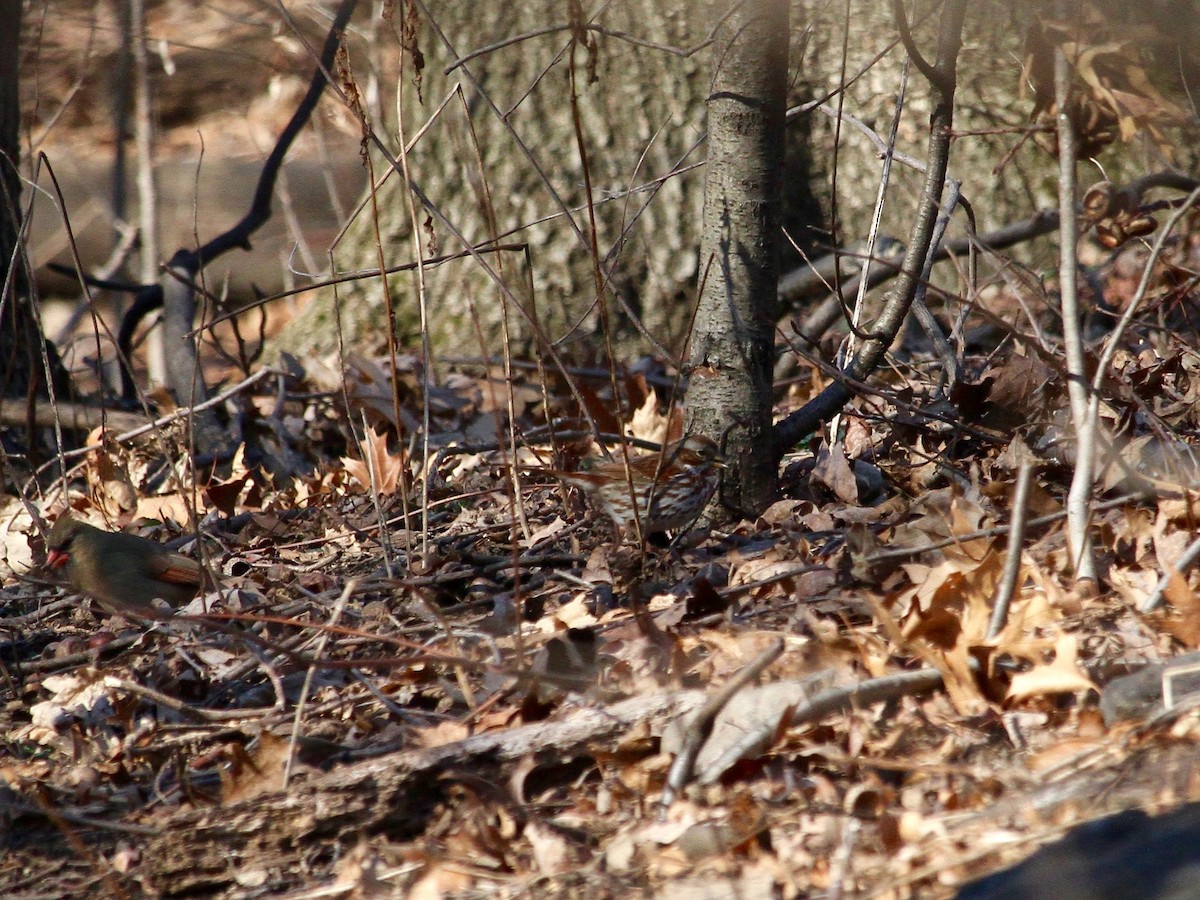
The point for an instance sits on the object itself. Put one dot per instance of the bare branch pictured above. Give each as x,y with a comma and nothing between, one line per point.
794,428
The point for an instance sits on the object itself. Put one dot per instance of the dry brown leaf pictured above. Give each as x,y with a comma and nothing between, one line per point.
441,734
358,875
859,437
544,533
388,469
258,772
775,568
1020,382
552,854
574,614
1063,753
174,507
597,570
780,511
369,388
1061,676
441,881
647,423
112,486
1030,617
1133,585
833,470
955,583
238,490
1185,624
729,652
941,514
958,677
749,724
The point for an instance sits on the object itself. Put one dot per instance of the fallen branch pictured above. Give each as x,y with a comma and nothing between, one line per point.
700,725
207,850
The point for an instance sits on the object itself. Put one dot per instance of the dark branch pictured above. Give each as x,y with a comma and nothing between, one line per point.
186,264
260,209
910,45
804,421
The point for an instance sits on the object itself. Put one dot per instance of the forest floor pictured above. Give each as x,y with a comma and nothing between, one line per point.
486,695
463,683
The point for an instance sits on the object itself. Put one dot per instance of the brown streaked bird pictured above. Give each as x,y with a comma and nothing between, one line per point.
124,573
671,487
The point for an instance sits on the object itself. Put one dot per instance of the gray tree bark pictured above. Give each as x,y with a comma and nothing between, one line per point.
642,120
729,395
22,373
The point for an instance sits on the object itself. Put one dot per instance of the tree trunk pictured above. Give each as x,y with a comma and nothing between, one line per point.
729,395
642,119
22,374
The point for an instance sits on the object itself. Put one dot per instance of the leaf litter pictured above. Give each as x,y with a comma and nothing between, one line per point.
490,694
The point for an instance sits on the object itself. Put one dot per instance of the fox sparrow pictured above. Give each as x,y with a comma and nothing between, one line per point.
123,572
670,487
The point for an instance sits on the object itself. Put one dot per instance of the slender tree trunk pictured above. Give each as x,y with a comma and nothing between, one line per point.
729,394
22,372
10,147
21,369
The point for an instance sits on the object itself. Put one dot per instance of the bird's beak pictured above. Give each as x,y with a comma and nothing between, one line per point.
56,559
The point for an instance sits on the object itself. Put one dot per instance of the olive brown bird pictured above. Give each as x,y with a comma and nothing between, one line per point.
124,573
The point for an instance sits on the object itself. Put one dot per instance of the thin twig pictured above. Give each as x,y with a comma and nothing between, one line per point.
855,314
309,673
162,421
1155,600
683,52
1016,541
996,531
865,693
184,709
